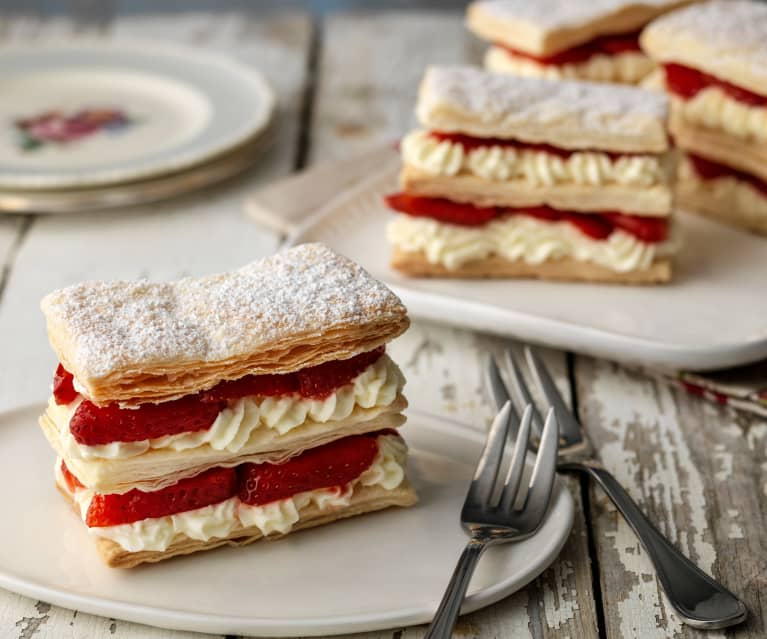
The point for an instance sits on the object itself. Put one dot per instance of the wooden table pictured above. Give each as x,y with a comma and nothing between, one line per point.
347,82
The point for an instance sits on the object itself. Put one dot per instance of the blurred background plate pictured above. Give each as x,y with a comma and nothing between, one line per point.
94,114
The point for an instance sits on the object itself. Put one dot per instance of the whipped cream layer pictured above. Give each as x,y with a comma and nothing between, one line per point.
539,168
377,386
520,237
628,67
219,521
738,194
713,108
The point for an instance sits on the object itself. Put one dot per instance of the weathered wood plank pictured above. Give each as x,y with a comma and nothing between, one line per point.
193,235
698,471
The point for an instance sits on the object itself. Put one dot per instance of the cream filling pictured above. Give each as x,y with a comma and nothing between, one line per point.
520,237
538,168
377,386
218,521
738,195
714,109
628,67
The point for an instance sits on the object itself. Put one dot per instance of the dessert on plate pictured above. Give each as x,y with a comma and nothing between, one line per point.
529,177
714,67
221,410
596,41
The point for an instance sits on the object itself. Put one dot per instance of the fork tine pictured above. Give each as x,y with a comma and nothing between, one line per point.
497,387
482,484
520,391
569,427
517,466
542,480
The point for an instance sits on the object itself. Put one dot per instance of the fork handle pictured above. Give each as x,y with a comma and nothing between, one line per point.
444,620
701,601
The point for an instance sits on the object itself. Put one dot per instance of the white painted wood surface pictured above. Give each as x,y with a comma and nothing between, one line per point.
699,470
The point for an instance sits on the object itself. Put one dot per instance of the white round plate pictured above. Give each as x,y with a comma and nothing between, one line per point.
377,571
711,316
76,115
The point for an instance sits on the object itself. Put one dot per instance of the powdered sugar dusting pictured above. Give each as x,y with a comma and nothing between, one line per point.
733,32
108,326
559,14
621,113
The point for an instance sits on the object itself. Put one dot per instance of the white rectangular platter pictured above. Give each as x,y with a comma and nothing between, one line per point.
713,315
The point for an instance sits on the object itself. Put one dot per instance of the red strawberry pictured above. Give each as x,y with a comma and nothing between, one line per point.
646,229
72,482
63,386
592,225
211,487
93,425
320,381
539,212
441,209
264,385
334,464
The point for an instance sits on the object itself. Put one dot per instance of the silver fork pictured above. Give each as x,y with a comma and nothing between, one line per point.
488,515
699,600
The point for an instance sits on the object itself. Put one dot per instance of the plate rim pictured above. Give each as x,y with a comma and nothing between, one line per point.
524,326
258,121
306,626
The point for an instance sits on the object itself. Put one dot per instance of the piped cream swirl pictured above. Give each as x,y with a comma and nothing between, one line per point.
539,168
714,109
520,238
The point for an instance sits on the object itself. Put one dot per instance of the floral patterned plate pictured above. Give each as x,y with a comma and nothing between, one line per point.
99,113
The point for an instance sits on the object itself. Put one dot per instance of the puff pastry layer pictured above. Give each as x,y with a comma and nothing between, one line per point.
746,155
159,468
135,342
569,115
546,27
726,199
725,38
650,201
417,265
365,499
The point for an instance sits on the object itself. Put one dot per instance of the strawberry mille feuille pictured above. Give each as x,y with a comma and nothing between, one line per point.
714,59
225,409
528,177
596,41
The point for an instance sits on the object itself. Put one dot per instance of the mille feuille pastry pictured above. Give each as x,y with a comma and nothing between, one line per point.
595,40
221,410
714,59
529,177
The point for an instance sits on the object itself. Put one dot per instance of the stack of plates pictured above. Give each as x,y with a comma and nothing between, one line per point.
96,125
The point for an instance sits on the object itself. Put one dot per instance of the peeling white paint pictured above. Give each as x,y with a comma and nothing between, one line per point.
560,603
735,532
724,460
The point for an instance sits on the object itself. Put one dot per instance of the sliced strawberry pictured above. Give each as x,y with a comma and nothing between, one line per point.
592,225
211,487
441,209
334,464
72,482
315,382
320,381
63,386
93,425
646,229
539,212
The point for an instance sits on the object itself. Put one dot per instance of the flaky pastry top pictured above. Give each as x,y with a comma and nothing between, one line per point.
143,341
565,114
547,27
726,38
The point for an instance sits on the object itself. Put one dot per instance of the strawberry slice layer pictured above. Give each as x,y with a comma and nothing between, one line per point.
604,45
708,170
211,487
93,425
687,83
63,386
598,226
328,466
